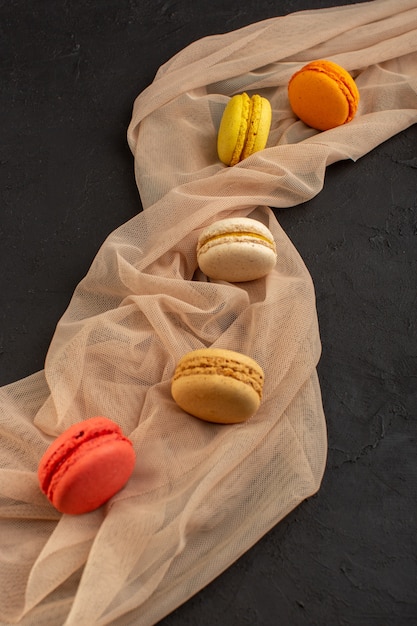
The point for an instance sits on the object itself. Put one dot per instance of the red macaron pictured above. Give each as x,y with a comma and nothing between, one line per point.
86,465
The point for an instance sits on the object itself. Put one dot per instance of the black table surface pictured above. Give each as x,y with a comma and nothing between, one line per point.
70,72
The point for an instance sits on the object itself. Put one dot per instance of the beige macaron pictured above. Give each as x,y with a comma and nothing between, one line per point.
218,385
236,249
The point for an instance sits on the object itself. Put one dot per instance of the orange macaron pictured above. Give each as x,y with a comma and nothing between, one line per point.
323,95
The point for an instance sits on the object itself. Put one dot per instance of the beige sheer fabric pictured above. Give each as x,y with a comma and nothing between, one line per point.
201,494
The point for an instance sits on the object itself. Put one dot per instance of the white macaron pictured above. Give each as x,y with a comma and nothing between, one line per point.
236,249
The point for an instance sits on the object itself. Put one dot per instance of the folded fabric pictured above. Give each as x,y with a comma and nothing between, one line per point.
201,494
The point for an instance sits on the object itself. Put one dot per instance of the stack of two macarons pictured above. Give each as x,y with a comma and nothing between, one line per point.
322,94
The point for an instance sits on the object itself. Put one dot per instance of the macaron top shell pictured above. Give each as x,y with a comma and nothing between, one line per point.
218,385
86,465
236,249
323,95
244,128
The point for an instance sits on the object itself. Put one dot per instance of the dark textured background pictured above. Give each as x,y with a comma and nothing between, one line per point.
70,72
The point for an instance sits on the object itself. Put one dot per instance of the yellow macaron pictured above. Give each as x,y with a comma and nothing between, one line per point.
323,95
244,128
218,385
